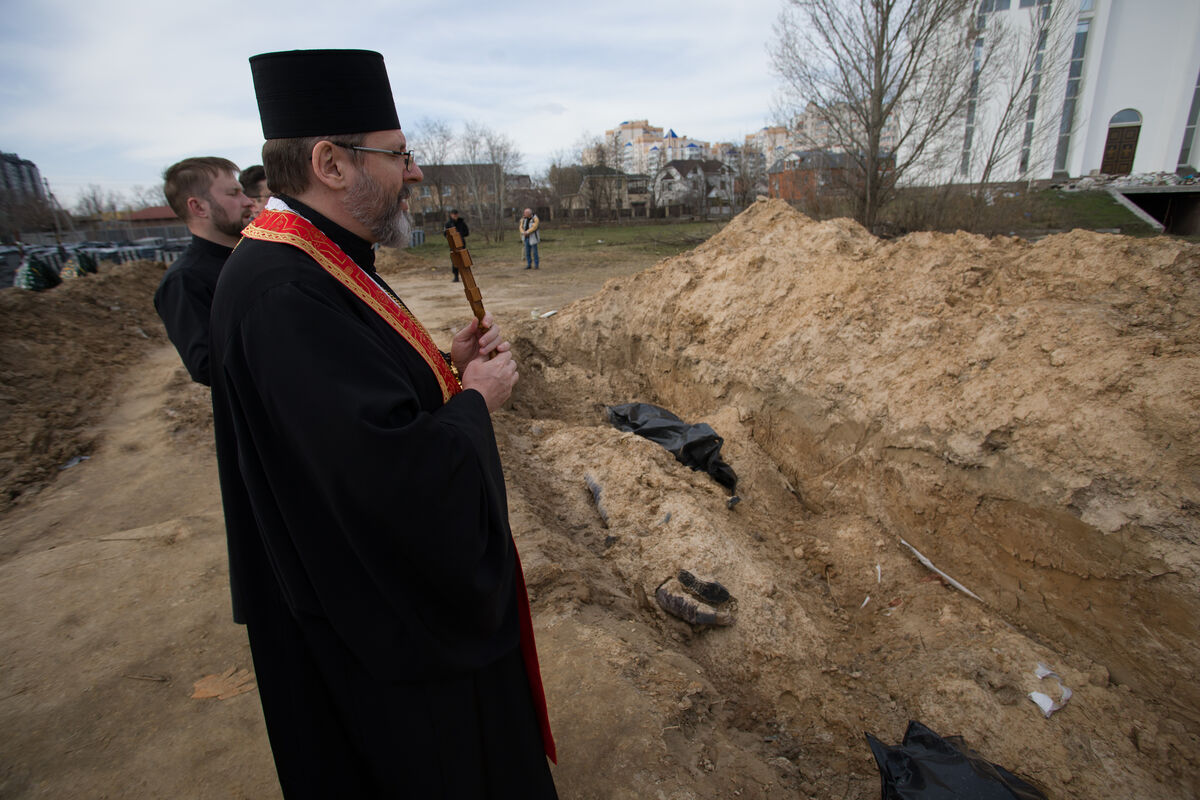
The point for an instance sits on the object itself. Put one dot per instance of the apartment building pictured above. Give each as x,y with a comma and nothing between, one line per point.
644,148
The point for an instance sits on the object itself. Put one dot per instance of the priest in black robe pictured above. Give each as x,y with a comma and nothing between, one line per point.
205,193
370,552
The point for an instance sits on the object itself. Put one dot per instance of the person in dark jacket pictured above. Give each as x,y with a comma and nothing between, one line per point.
205,194
254,182
456,221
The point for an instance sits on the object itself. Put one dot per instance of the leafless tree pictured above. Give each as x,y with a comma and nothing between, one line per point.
563,177
869,66
504,159
655,165
146,197
1010,125
433,142
749,167
95,201
472,173
602,175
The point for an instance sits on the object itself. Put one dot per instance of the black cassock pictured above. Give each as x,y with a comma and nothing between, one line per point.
369,547
184,298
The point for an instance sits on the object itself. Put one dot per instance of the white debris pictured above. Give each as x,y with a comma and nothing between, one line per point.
949,580
1045,702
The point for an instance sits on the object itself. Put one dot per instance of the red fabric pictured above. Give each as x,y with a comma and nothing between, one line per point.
289,227
530,656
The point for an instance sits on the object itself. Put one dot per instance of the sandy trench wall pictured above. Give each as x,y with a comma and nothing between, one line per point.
1025,415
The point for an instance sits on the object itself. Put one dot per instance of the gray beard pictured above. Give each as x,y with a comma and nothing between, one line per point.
379,213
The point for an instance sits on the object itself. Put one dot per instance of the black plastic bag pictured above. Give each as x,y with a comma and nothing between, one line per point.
697,446
928,767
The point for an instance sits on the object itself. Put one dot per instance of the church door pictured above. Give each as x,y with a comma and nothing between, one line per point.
1119,148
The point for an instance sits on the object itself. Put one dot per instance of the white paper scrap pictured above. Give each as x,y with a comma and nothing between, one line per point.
1045,702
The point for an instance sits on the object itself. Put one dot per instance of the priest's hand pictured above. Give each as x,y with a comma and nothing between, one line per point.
468,345
494,378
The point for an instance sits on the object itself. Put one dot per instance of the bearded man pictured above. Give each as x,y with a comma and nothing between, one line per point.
370,552
206,195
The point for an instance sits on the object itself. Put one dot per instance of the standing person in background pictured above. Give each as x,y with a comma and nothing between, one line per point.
206,195
254,182
529,235
456,221
370,553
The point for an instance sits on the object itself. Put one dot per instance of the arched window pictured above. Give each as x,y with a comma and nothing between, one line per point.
1126,116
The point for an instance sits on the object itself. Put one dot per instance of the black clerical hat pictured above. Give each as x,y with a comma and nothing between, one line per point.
322,92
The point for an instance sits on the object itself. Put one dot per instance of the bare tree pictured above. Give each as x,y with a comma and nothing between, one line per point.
602,175
94,201
870,66
1011,137
563,177
656,164
504,159
749,167
433,142
146,197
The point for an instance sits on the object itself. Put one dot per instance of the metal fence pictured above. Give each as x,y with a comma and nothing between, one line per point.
108,233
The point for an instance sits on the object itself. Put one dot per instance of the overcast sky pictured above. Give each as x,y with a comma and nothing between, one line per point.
110,92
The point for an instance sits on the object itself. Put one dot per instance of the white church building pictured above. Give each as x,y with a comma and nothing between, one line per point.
1121,95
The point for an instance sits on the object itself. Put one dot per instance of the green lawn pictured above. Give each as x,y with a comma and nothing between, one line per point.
592,241
1090,210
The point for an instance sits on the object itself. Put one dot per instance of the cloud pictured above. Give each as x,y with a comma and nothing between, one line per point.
111,92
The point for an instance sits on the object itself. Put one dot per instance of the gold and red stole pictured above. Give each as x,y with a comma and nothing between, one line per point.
278,223
288,227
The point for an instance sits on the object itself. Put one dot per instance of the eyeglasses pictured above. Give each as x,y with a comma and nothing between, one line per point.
409,156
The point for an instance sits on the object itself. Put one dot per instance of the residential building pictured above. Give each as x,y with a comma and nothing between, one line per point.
20,177
608,192
815,128
640,147
774,142
804,175
462,186
154,216
702,186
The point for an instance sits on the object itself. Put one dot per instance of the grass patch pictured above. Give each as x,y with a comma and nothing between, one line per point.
597,241
1009,210
1089,210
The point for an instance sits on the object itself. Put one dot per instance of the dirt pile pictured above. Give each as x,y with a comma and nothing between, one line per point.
60,352
1024,415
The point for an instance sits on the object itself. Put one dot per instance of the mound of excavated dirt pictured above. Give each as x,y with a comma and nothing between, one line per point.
60,351
1027,416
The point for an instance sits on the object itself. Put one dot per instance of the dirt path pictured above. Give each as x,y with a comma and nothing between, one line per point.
115,595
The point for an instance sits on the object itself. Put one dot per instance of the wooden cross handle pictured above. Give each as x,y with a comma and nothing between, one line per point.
461,259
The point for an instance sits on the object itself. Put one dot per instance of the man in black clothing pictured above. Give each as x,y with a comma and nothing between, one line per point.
254,183
456,221
370,552
206,195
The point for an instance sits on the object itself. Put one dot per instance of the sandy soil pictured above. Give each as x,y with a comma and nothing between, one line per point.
1024,415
